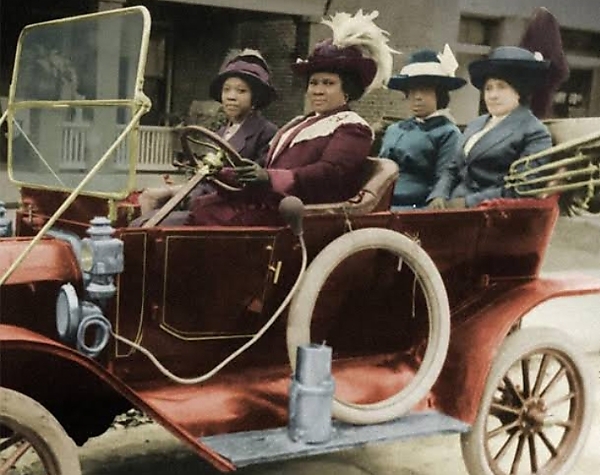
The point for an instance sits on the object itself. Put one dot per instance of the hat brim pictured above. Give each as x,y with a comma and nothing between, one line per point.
482,69
265,93
404,82
364,68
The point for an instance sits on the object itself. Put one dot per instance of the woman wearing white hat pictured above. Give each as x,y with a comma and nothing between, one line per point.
493,141
423,145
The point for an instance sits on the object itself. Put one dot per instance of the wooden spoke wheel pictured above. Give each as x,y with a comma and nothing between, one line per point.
536,409
32,439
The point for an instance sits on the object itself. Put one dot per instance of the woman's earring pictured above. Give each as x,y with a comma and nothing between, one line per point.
346,97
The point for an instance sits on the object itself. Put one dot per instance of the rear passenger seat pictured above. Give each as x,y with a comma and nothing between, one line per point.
375,195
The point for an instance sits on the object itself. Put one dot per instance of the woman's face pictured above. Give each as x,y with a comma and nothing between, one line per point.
325,92
500,97
236,97
423,101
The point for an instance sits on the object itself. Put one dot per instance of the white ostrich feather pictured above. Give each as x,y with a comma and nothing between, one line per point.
360,31
448,61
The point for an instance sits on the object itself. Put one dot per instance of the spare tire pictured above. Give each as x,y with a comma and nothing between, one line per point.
413,255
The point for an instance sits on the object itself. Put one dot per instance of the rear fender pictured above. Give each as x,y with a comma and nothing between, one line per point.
476,339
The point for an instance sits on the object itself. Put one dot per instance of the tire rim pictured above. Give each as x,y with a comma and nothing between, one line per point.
535,414
432,286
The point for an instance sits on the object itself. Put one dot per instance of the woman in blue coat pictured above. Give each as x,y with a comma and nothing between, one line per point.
493,141
424,144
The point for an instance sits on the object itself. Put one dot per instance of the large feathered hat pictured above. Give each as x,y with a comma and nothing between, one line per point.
358,47
518,66
543,34
249,65
426,67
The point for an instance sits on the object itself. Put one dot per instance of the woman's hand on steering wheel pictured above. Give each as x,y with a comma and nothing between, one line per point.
253,174
218,162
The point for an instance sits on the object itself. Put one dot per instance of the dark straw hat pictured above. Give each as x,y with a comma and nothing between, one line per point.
426,67
518,66
250,66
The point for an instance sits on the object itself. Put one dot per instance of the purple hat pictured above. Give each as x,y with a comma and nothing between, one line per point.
250,66
543,34
326,57
358,47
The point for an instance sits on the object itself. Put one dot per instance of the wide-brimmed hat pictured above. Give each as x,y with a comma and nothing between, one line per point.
326,57
426,67
250,66
358,47
518,66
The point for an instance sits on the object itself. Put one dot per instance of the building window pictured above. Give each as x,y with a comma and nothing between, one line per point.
580,42
573,97
478,31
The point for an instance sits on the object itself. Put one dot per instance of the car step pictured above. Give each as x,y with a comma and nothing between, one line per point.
262,446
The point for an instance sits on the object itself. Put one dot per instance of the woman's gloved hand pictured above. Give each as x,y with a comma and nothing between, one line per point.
437,203
252,173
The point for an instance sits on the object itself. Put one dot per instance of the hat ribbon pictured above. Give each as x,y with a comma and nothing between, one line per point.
425,69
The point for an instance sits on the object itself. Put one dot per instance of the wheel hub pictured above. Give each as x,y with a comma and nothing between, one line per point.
533,414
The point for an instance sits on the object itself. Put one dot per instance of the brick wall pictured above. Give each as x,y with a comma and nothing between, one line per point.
202,43
280,39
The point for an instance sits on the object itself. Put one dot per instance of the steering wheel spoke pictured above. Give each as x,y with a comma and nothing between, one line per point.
192,138
195,140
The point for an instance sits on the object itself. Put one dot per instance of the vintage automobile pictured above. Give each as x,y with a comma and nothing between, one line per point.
350,324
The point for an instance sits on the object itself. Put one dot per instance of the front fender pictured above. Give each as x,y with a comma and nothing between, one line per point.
49,260
477,338
82,395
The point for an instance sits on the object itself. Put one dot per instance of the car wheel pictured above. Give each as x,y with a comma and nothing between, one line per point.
30,436
412,255
536,410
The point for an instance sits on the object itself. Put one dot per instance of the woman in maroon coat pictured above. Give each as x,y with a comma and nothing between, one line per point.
243,86
319,157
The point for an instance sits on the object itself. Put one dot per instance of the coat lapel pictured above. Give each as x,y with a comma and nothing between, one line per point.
274,144
308,119
498,134
244,133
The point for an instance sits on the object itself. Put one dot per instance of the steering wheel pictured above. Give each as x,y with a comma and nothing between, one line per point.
195,136
200,138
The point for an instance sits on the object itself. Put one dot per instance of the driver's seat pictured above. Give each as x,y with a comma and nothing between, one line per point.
375,194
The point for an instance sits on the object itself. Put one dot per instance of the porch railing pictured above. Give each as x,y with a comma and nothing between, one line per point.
155,151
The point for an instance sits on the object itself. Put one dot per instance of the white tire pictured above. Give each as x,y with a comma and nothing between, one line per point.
411,253
536,410
31,425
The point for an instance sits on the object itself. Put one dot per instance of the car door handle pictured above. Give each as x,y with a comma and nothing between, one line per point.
276,269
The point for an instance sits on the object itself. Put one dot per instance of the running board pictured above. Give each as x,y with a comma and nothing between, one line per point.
262,446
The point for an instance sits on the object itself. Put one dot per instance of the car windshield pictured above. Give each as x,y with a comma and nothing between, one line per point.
76,87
